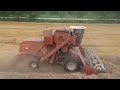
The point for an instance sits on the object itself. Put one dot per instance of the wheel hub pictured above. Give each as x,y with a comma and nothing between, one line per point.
71,66
33,65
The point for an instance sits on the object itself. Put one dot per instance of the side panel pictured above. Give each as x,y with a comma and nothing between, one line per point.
75,40
61,36
33,48
48,40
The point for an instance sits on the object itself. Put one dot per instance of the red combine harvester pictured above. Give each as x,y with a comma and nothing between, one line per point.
62,47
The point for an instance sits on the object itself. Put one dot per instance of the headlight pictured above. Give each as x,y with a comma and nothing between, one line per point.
26,48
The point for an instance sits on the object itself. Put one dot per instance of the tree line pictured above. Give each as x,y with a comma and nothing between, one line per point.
62,14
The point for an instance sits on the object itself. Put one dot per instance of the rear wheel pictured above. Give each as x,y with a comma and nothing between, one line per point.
71,64
34,63
27,62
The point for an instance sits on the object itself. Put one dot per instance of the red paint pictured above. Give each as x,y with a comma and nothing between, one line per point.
48,40
60,40
65,35
88,70
35,48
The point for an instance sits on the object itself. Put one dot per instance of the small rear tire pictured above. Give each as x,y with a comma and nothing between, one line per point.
34,63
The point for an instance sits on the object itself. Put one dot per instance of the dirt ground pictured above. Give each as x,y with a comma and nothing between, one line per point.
104,38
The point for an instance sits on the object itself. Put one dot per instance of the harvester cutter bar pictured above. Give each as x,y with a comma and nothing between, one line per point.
94,60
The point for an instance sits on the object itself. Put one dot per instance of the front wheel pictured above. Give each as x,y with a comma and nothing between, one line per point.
71,64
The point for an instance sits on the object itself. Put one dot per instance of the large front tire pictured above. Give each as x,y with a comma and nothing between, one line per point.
71,64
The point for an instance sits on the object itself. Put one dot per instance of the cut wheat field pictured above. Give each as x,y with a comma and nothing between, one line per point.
104,38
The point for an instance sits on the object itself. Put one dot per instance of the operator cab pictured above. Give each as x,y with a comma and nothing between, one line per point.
77,31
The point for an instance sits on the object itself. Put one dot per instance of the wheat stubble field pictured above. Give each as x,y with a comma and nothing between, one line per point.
104,38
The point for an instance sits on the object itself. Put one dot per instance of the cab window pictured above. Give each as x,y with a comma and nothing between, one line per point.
77,31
